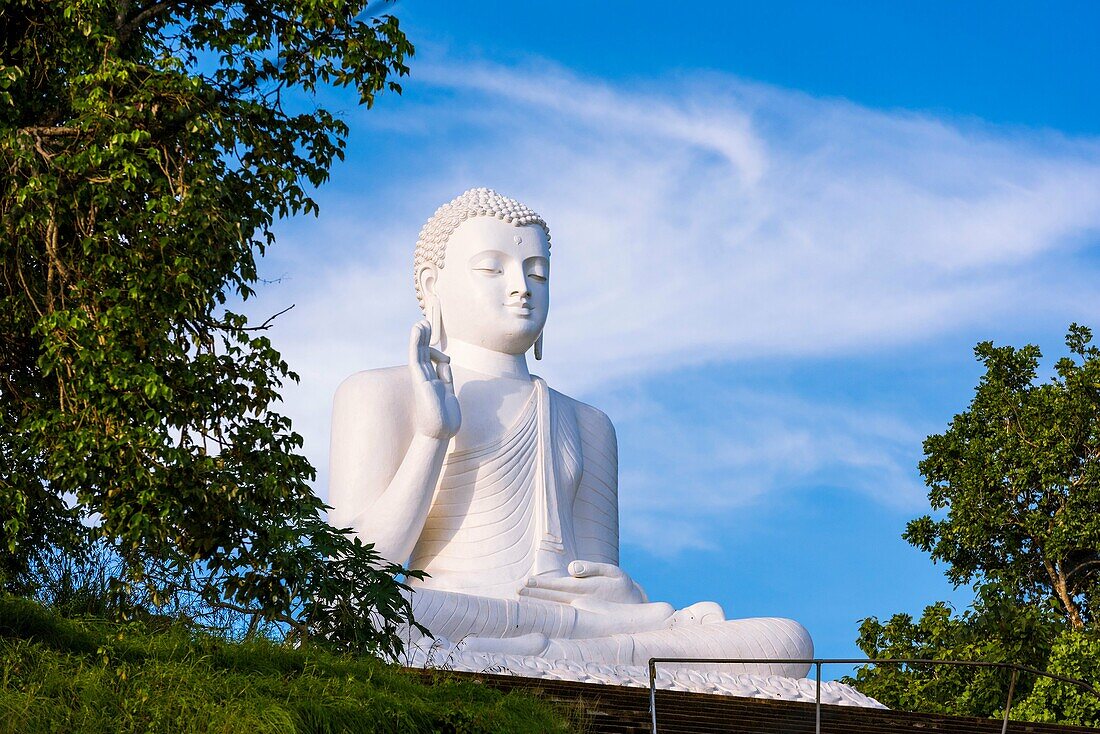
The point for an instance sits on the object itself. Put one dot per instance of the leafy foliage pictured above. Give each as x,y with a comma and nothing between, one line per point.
996,630
1018,474
1076,655
146,149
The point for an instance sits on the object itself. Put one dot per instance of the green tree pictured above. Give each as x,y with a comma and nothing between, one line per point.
1019,476
1075,654
1015,480
996,629
146,149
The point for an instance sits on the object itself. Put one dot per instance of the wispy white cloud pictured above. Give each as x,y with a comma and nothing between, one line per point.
702,220
717,219
698,461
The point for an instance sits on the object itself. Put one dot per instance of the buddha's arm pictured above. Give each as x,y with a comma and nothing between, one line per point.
382,471
596,509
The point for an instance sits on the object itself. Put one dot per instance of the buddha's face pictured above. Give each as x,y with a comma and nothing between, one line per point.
494,290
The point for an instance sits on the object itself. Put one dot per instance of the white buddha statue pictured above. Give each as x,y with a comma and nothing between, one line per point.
466,466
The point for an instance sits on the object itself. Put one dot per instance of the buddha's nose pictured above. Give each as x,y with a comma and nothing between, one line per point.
520,289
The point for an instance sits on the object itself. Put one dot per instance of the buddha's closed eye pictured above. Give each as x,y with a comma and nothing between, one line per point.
489,267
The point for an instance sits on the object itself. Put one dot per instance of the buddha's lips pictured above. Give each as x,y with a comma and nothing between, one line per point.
523,307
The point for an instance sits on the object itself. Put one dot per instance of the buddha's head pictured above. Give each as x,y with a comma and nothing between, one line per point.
482,270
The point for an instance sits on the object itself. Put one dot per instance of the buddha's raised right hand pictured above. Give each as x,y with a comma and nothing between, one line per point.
437,411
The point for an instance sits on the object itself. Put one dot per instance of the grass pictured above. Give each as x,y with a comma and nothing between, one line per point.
88,675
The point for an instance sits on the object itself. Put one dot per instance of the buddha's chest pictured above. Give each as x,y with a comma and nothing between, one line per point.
526,439
504,508
489,407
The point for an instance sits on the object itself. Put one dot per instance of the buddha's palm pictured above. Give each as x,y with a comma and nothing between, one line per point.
437,412
587,581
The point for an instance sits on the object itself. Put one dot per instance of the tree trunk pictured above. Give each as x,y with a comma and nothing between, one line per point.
1072,610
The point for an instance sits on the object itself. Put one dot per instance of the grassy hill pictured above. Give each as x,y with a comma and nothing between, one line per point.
88,675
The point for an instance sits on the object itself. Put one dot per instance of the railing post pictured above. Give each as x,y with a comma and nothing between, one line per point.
817,699
1008,704
653,693
819,662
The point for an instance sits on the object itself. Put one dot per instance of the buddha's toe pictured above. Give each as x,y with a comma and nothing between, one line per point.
704,612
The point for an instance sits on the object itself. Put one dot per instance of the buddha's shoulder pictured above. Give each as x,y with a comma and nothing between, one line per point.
384,387
593,423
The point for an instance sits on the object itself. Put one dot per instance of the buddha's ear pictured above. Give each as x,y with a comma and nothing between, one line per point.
427,277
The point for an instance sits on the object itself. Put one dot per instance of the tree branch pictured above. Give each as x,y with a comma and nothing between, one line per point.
147,13
1058,582
51,131
267,324
1095,562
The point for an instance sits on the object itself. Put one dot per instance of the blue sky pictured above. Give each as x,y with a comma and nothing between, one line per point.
778,229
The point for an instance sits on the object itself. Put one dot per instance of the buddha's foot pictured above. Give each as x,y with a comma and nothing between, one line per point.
704,612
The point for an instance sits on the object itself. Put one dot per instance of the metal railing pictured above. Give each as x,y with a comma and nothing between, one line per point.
818,662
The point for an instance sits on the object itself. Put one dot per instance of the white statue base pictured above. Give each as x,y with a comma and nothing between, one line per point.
441,654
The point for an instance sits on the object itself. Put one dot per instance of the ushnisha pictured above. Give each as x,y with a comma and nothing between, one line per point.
465,465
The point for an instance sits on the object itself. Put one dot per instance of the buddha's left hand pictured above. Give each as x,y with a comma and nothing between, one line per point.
587,580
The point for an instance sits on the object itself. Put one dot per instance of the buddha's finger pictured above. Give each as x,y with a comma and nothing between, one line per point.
567,584
444,371
426,352
425,349
548,595
442,364
416,364
584,569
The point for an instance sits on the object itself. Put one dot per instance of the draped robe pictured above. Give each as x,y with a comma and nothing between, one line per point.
531,501
497,516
